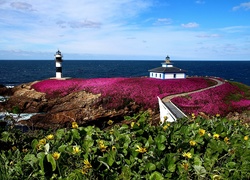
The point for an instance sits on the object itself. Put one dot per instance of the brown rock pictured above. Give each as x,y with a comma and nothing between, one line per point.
244,116
26,99
82,107
203,115
4,91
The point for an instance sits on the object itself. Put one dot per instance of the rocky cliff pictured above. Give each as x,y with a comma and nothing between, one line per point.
82,107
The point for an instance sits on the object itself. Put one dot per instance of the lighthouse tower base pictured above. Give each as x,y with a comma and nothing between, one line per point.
58,75
63,78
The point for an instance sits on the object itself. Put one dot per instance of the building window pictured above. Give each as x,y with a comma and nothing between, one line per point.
174,76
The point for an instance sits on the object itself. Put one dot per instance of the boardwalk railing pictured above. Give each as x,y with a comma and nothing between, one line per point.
170,112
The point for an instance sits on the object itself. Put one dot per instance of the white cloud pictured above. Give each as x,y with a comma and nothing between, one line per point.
84,24
2,2
200,2
22,6
235,29
190,25
245,6
163,21
208,35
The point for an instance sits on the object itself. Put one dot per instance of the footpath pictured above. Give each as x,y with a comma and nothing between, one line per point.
175,110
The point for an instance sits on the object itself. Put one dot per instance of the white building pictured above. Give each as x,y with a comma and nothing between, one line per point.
167,71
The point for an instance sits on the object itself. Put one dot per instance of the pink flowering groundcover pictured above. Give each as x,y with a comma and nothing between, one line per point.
219,100
118,91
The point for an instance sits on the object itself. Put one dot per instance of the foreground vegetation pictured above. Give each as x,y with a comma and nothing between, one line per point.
192,148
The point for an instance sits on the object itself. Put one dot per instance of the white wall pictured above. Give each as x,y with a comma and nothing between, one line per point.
167,76
175,76
165,113
156,75
180,75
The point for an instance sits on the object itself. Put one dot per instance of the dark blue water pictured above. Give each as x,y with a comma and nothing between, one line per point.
15,72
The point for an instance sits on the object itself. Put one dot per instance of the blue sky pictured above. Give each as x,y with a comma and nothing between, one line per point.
125,29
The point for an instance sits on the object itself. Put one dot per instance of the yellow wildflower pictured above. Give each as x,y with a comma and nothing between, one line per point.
185,165
192,143
113,148
39,147
193,116
187,155
25,150
74,125
226,139
84,171
87,164
141,149
216,177
132,124
100,142
168,124
111,131
165,127
56,155
110,122
246,138
202,132
50,137
76,149
42,141
102,146
217,115
216,136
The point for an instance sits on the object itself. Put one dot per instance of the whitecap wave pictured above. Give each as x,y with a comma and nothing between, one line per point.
5,116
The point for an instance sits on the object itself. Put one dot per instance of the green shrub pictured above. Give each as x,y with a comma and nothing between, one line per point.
187,149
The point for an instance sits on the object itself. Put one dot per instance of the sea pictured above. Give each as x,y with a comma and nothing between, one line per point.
16,72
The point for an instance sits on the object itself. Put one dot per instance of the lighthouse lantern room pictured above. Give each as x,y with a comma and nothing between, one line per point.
58,59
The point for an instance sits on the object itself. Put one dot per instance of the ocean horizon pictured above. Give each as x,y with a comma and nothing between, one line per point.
15,72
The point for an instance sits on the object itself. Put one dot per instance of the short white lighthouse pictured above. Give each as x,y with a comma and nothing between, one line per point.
167,71
58,59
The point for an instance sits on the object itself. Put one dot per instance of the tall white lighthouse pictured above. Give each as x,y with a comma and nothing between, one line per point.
58,59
